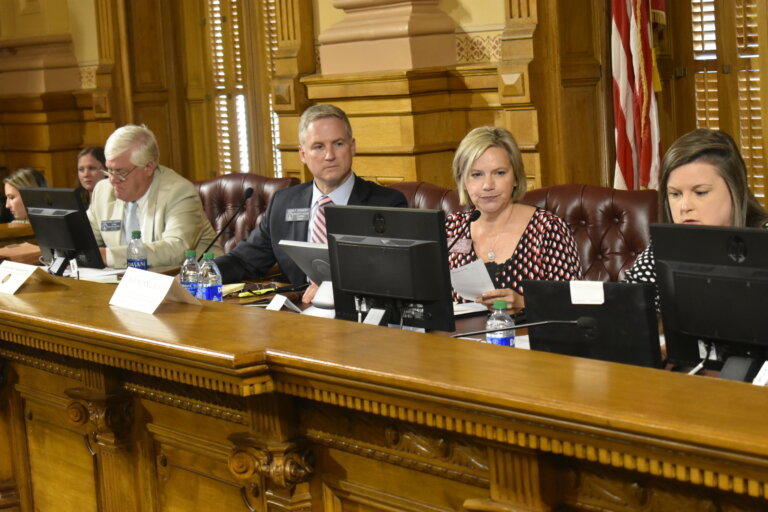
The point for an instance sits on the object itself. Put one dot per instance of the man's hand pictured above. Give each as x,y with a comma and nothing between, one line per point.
309,293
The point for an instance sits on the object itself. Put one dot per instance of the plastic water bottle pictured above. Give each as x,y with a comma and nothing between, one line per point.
499,319
209,284
137,253
190,272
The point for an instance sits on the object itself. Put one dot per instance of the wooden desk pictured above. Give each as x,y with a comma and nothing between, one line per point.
224,407
11,233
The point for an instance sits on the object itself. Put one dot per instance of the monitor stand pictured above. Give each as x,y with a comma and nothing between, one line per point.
322,303
739,368
58,266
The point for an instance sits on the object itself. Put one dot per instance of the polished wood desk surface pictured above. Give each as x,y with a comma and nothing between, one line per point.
697,413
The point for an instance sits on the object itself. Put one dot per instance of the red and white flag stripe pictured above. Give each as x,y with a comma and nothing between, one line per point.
634,102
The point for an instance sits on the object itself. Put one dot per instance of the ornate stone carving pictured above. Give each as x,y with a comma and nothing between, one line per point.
106,417
284,464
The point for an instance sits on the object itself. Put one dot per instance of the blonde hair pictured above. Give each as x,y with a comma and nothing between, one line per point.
138,139
474,144
26,177
322,111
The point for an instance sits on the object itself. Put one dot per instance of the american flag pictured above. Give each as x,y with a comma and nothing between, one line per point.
634,102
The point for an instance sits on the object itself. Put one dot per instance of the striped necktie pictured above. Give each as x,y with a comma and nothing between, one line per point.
319,235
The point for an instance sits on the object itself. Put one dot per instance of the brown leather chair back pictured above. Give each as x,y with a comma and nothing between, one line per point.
420,194
610,226
222,195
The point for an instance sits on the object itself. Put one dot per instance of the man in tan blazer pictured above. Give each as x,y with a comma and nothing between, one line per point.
142,195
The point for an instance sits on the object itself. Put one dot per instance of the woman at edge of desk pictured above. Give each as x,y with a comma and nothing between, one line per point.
26,177
704,182
514,240
29,178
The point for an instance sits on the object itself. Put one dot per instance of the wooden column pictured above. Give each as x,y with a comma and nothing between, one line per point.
520,115
379,35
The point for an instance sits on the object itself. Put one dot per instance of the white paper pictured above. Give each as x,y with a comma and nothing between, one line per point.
587,292
142,290
13,275
761,379
467,308
374,316
471,280
279,300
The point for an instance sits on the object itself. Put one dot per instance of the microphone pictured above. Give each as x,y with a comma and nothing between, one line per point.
472,218
246,196
586,324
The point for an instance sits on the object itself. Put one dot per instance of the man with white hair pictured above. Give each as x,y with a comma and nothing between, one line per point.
142,195
326,147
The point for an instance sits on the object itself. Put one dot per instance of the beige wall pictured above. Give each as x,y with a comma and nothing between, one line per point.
478,26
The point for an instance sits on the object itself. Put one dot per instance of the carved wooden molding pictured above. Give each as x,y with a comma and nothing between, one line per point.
416,448
188,404
106,417
284,464
666,462
9,495
255,385
58,368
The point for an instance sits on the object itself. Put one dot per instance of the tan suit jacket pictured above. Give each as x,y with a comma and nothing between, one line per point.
173,222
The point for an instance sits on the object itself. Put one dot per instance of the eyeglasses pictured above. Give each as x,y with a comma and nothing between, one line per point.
120,174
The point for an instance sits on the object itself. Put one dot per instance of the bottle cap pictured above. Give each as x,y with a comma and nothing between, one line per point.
190,253
136,234
208,256
499,304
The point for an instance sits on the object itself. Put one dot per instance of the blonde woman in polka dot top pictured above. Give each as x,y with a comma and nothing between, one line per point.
515,241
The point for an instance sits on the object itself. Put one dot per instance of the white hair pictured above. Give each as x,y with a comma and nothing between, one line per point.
138,139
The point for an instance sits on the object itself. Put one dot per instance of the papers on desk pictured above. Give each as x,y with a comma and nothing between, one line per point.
471,280
468,308
98,275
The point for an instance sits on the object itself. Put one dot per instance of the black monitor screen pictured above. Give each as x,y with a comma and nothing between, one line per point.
394,258
61,226
713,283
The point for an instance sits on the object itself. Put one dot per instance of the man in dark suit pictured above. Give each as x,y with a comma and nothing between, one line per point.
326,146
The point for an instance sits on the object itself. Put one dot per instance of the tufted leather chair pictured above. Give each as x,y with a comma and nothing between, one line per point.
421,194
222,195
610,226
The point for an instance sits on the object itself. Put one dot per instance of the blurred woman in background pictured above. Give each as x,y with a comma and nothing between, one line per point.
26,177
91,165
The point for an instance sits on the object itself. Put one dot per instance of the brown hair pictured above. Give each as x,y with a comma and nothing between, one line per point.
719,150
26,177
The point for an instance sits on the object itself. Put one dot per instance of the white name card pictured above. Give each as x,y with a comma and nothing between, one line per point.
279,301
374,316
13,275
587,292
142,290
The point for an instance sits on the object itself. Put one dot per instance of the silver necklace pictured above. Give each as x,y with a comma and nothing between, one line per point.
491,251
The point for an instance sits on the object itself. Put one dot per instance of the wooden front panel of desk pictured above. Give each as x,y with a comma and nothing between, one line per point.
223,407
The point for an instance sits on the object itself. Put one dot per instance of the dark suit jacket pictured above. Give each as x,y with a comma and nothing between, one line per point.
253,257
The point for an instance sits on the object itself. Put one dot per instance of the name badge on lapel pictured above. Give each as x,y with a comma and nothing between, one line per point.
463,246
111,225
296,214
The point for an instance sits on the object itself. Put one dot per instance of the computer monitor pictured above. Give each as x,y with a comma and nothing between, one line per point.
61,227
394,259
713,285
621,329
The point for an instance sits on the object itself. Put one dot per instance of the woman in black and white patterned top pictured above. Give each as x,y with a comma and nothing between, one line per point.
704,182
515,241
